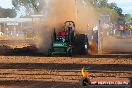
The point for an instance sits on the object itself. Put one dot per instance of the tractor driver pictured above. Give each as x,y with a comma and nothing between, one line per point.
69,27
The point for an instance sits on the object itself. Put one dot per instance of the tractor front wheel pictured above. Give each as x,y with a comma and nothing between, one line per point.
49,52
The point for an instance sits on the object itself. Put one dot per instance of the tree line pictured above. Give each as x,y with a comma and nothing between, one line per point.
34,6
115,12
4,13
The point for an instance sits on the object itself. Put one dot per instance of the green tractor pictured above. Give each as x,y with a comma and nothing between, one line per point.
68,43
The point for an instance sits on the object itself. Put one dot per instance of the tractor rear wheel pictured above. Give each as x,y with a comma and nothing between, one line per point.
82,44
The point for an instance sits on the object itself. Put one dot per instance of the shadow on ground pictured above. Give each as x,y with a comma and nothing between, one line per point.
38,84
61,66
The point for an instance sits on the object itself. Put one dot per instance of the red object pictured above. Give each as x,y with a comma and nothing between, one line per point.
62,33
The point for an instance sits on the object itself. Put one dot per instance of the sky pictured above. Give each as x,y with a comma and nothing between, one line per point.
126,5
6,3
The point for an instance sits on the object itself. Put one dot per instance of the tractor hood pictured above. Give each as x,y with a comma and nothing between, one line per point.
59,44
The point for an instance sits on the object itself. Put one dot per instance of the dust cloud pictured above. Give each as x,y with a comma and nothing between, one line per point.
58,11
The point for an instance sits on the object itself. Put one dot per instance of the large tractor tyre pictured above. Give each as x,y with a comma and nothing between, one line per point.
70,53
82,44
84,82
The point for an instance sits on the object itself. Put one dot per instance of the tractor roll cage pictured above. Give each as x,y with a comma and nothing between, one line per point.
69,22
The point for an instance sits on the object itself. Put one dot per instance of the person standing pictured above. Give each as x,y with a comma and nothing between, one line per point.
121,29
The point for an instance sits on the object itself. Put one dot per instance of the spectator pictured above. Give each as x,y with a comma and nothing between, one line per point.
1,33
121,29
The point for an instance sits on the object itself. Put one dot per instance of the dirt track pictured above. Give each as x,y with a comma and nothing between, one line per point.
37,71
34,71
57,72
